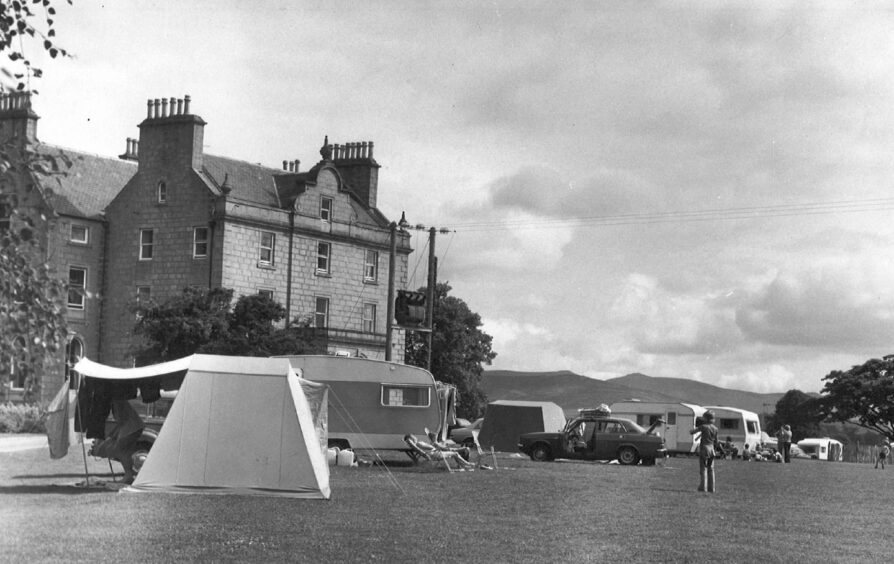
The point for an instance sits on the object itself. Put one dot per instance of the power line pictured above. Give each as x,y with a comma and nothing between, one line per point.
721,214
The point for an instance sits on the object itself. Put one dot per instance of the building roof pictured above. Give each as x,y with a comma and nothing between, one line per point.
87,185
250,182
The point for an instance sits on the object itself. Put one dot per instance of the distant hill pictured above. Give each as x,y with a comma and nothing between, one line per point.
572,391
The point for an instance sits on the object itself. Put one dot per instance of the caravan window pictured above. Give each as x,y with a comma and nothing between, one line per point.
671,418
405,396
730,424
646,419
752,427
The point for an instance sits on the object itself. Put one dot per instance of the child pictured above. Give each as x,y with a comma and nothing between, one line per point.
706,450
883,453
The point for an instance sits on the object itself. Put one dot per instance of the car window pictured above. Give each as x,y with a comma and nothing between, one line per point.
614,427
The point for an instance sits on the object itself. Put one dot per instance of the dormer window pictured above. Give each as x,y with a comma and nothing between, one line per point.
79,234
325,208
162,192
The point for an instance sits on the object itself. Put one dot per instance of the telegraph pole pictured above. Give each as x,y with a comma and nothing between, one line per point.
432,279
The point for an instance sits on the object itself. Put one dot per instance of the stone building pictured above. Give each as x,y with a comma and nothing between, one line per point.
165,215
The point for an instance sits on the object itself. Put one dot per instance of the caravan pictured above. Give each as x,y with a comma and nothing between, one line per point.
743,426
678,419
822,449
374,403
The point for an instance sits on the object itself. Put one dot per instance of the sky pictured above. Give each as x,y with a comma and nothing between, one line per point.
693,190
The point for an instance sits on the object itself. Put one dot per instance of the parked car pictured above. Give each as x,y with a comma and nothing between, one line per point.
153,416
595,436
467,435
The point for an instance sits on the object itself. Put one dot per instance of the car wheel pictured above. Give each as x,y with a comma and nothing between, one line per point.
628,456
470,443
541,453
139,456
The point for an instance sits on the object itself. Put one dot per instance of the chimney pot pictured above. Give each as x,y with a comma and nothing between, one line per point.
297,164
370,149
179,106
164,107
285,165
157,107
149,109
173,104
186,104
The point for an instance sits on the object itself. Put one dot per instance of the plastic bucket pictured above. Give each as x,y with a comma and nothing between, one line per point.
346,458
331,456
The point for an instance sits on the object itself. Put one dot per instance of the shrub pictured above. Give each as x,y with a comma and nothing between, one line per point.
16,418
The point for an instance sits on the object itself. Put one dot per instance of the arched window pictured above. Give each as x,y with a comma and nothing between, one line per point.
74,351
17,372
162,192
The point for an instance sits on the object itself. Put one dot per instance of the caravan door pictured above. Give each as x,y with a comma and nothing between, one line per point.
670,431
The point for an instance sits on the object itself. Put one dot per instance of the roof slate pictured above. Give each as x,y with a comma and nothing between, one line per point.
88,185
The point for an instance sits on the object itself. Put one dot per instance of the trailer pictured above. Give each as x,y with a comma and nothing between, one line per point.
374,403
678,419
822,449
743,427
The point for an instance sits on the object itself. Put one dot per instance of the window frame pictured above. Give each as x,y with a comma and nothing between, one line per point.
324,258
326,204
144,245
73,288
386,389
71,234
368,322
161,192
267,292
196,242
318,300
371,267
270,260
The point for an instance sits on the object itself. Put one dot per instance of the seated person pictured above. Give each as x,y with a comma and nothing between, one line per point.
746,454
465,452
435,453
122,440
729,449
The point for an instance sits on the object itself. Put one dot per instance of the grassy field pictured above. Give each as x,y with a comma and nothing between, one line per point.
806,511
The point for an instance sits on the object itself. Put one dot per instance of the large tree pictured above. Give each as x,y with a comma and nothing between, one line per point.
199,320
800,411
32,298
459,349
863,395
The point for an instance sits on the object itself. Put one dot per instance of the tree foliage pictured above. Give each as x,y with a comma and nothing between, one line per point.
201,321
863,395
459,349
23,22
800,411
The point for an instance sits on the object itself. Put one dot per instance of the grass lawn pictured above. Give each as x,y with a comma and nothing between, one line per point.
525,512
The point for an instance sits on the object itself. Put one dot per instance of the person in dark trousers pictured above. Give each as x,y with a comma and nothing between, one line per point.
708,431
784,439
883,451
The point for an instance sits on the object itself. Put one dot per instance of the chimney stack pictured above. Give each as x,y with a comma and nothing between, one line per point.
17,119
358,168
170,134
131,153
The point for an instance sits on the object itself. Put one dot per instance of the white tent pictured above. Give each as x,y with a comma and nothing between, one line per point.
239,425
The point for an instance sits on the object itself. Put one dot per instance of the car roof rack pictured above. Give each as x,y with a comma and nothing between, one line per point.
601,411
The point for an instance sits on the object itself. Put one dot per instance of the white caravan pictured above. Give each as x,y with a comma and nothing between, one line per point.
678,419
741,425
374,403
822,449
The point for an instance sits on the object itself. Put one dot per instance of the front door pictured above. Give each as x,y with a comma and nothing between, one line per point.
670,430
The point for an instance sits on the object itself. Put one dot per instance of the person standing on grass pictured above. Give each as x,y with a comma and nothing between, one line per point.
708,431
883,452
784,438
